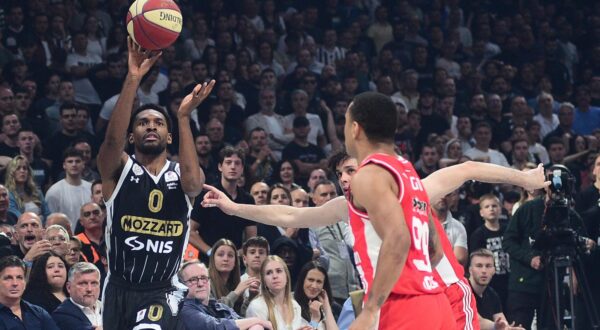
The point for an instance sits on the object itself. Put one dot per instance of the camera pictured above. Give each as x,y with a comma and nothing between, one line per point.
557,235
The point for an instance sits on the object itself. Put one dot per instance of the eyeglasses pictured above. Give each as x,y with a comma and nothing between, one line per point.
194,280
89,213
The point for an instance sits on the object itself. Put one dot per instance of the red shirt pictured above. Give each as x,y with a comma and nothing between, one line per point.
417,277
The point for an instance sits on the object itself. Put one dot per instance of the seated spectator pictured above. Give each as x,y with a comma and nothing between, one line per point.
299,100
5,216
24,194
304,154
456,232
46,285
481,272
27,143
259,192
74,254
276,297
83,309
69,194
200,311
29,233
260,158
285,173
254,251
272,122
59,238
59,219
481,151
312,293
224,270
91,220
16,313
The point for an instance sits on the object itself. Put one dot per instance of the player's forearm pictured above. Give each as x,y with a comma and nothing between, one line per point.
192,176
444,181
390,263
289,216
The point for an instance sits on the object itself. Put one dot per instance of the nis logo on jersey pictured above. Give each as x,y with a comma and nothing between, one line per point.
149,245
149,226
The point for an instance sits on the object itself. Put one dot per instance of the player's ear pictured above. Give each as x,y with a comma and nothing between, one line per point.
355,130
169,138
130,138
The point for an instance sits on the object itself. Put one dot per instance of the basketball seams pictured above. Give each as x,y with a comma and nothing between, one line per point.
141,27
151,32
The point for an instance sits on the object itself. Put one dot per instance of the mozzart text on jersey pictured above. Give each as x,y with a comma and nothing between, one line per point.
150,226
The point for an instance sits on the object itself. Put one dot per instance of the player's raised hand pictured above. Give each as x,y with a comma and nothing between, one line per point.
193,99
216,198
140,60
535,179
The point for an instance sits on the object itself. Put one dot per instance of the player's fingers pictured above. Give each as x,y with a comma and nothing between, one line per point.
210,188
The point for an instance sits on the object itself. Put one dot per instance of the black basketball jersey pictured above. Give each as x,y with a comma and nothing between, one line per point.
147,224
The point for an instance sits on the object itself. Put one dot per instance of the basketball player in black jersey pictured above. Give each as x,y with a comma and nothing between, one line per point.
148,204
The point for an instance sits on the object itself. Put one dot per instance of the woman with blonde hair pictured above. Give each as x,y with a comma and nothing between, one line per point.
224,273
275,302
24,196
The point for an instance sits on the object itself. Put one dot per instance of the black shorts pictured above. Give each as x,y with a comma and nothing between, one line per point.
154,307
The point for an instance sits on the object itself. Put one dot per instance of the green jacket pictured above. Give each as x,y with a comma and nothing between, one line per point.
519,237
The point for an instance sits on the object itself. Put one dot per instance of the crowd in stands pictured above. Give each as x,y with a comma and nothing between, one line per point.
513,83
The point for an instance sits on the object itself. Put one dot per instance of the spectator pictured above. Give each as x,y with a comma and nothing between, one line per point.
5,216
16,312
208,225
226,284
254,252
520,153
201,311
205,158
547,119
92,221
285,172
276,295
299,100
83,309
481,272
312,293
429,161
60,219
261,158
587,117
259,192
456,232
46,286
489,236
78,64
63,139
336,242
565,123
24,195
69,194
29,234
305,155
272,122
10,129
59,238
74,254
27,142
481,151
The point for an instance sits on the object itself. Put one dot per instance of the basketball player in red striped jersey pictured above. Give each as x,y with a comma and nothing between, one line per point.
449,272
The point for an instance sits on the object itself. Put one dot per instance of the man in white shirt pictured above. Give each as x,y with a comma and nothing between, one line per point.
481,151
316,135
83,310
77,64
272,122
69,194
547,119
456,232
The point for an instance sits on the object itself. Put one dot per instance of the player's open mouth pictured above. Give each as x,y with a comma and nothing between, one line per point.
151,137
30,239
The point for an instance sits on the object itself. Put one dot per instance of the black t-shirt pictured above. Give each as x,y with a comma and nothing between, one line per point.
488,304
147,218
482,237
307,154
41,173
6,150
216,224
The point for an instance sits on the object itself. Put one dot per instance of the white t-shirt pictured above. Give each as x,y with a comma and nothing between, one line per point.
68,199
456,232
495,156
258,308
84,90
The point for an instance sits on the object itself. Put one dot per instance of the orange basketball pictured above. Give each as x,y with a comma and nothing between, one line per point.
154,24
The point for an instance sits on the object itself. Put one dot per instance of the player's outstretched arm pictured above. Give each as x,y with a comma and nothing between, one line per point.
111,156
444,181
279,215
192,176
375,190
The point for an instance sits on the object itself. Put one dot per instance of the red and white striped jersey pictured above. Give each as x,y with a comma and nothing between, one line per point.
417,277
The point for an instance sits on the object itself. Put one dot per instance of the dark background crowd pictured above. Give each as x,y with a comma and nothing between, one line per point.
513,83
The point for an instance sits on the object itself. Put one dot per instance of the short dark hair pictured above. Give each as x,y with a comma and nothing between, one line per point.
255,129
12,261
229,151
151,106
323,182
336,159
257,241
376,114
72,152
482,124
67,106
554,140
